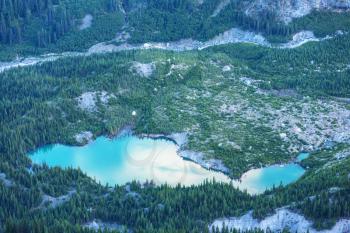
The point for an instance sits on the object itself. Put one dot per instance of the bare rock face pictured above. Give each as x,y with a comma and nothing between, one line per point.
286,10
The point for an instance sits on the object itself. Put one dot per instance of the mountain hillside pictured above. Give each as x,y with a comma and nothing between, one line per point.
45,26
45,21
253,93
30,27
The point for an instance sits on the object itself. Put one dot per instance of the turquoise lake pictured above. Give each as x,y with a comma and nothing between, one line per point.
302,156
121,160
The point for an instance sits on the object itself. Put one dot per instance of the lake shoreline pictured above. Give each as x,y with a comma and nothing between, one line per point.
180,140
197,158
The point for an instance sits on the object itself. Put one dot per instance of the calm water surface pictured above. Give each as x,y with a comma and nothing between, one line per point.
121,160
303,156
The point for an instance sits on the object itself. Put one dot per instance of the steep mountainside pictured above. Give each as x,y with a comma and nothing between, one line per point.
45,21
30,27
61,24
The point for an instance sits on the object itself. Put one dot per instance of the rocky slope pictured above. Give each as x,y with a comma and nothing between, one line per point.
286,10
281,220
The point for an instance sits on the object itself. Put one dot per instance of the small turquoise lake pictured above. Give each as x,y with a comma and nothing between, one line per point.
303,156
122,160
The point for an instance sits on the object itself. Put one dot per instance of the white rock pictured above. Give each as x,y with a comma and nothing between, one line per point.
226,68
84,137
86,22
283,135
220,7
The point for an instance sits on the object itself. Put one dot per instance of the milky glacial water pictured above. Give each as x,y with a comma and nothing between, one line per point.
122,160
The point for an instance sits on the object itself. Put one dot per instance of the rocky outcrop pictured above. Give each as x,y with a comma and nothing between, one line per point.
53,202
281,220
98,226
88,100
84,137
143,70
286,10
210,164
86,22
5,181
